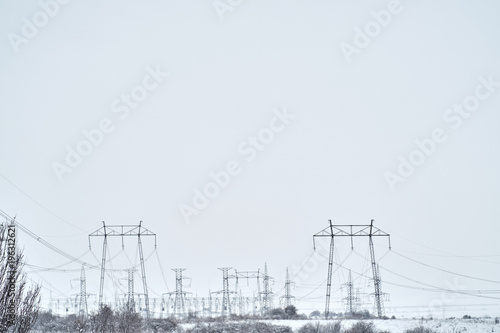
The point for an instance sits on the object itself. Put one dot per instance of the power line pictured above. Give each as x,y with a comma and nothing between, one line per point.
40,205
161,269
56,268
37,269
44,242
444,270
438,288
434,288
444,252
459,256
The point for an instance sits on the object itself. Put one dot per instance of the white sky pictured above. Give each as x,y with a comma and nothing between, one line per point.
226,76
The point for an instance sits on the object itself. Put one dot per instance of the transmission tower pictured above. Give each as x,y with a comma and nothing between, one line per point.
210,308
180,299
226,301
287,299
123,231
351,298
246,275
377,283
266,293
83,309
130,289
353,230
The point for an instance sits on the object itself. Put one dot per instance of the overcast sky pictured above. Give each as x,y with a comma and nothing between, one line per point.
236,129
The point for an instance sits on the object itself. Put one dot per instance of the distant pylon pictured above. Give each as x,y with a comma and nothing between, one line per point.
266,293
351,298
241,305
226,301
130,289
179,300
83,310
210,308
287,299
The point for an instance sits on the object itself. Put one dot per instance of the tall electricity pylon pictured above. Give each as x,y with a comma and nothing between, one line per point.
353,230
123,231
377,283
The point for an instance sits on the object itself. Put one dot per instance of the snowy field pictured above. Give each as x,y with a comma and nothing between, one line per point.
401,325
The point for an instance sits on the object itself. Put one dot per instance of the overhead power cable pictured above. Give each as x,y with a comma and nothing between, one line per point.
161,269
445,254
40,205
45,243
438,288
472,293
473,258
444,270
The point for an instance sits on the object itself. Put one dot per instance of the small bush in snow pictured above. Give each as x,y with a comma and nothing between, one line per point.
419,329
317,328
361,327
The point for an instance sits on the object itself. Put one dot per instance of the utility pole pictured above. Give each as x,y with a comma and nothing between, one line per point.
353,230
123,231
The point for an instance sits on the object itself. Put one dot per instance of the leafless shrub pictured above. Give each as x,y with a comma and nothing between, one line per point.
21,315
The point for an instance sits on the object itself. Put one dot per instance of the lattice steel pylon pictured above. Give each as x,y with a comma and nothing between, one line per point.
351,298
266,293
83,309
377,282
287,299
180,299
353,230
123,231
226,301
130,289
247,275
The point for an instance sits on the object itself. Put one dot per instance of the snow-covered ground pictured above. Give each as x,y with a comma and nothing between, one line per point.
401,325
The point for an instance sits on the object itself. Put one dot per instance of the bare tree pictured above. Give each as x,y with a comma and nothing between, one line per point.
102,320
127,320
19,302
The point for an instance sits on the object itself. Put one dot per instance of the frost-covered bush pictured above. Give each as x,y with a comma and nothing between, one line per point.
361,327
419,329
317,328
